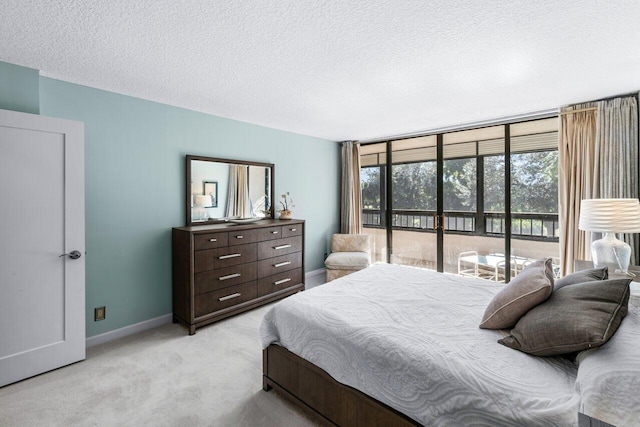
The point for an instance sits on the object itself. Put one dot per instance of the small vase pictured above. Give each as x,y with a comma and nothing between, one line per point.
285,214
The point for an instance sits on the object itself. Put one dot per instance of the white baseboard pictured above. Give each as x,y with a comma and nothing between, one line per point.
314,273
129,330
159,321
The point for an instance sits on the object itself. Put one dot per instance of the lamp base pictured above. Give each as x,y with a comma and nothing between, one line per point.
611,252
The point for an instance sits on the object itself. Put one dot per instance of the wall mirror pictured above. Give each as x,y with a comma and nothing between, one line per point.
226,189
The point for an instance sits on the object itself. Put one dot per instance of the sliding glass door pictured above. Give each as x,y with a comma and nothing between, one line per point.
473,186
414,202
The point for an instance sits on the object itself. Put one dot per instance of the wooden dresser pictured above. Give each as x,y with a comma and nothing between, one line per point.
224,269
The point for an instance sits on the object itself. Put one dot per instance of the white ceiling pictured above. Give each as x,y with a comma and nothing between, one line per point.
335,69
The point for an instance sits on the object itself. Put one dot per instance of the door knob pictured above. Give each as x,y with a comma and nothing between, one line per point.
72,255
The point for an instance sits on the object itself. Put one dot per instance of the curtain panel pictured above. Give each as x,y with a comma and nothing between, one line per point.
598,158
238,202
575,178
616,152
351,203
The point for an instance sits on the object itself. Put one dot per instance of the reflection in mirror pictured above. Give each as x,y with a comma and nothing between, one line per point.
222,189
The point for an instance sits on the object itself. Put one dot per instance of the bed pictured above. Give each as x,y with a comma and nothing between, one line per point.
394,345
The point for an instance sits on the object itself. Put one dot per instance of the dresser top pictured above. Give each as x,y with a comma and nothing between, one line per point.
229,226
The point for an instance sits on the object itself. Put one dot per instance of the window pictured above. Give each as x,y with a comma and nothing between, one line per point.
472,168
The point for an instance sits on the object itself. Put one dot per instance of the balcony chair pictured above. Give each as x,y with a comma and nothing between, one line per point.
349,253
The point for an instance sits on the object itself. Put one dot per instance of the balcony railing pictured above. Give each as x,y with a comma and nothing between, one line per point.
523,225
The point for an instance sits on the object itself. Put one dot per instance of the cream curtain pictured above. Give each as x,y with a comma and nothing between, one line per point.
238,202
351,203
576,160
598,158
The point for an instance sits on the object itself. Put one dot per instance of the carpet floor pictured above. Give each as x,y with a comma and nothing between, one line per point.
159,377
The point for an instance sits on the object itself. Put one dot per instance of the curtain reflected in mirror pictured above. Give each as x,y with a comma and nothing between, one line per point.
221,189
238,202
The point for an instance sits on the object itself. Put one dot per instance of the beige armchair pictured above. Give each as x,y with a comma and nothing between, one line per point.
349,253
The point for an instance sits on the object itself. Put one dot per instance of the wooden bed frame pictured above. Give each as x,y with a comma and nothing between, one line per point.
317,393
314,391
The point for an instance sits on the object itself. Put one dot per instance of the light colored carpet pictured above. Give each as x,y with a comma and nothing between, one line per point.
160,377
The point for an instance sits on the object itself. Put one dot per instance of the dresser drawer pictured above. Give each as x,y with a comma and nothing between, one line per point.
224,257
291,230
208,241
268,285
268,267
273,248
242,237
270,233
227,297
220,278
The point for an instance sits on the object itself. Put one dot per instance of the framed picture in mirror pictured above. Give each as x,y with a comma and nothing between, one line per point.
210,188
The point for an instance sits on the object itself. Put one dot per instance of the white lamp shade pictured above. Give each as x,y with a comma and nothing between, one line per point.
203,201
610,215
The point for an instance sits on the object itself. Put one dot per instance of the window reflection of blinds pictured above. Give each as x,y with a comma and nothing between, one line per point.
369,160
465,149
519,144
535,142
491,147
417,155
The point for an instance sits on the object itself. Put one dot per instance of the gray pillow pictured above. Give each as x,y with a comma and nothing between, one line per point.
575,318
581,277
529,288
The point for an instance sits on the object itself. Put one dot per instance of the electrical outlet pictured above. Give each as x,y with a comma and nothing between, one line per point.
100,313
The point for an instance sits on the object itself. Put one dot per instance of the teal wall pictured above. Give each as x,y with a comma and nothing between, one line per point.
135,173
19,88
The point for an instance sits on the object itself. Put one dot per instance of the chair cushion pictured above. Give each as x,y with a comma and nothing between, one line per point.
575,318
350,243
529,288
581,277
347,261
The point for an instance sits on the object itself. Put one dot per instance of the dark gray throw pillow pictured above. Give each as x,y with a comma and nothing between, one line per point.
581,277
532,286
574,318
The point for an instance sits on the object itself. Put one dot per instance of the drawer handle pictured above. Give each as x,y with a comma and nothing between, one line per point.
274,232
229,256
281,247
240,236
282,264
293,229
232,296
230,276
213,240
280,282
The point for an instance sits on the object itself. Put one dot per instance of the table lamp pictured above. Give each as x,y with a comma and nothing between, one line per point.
202,202
610,216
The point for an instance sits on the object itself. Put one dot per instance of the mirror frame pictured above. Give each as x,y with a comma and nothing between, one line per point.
190,157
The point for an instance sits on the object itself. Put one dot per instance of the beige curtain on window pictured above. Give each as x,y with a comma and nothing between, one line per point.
238,202
351,203
598,158
576,160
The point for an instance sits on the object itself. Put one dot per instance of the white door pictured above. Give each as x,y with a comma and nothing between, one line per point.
42,315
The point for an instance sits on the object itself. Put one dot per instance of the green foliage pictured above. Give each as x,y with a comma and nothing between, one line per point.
370,185
534,184
414,186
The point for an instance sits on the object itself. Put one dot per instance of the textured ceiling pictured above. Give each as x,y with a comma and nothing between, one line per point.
335,69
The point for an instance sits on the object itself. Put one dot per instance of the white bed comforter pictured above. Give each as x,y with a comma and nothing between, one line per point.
609,377
409,338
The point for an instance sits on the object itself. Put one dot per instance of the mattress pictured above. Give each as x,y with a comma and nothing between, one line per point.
409,338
